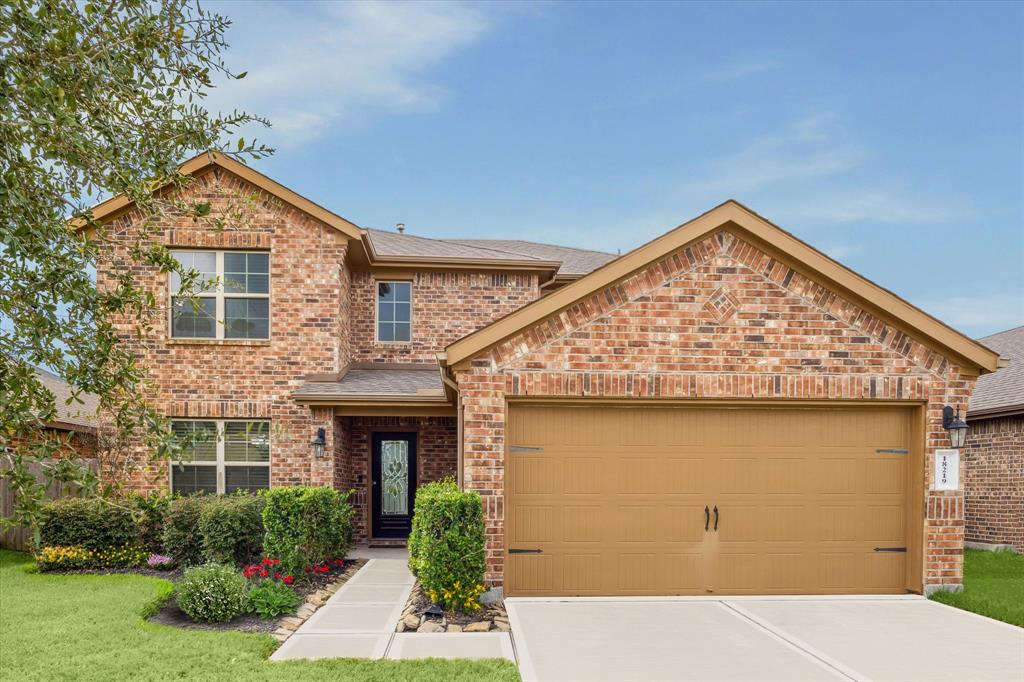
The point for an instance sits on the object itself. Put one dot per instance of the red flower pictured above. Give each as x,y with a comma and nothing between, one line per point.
288,580
308,569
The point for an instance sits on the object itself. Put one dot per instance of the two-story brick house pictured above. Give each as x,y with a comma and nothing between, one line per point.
723,409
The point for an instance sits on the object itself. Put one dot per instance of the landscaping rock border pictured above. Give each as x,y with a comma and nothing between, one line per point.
491,618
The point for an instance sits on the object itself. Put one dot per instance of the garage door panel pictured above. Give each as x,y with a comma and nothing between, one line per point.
581,523
636,475
682,476
884,476
804,496
837,476
583,475
740,476
883,569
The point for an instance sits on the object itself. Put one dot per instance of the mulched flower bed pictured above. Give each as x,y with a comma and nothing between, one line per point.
172,574
315,589
492,617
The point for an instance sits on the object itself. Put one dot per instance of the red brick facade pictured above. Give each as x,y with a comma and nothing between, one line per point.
446,306
719,319
994,485
322,318
201,378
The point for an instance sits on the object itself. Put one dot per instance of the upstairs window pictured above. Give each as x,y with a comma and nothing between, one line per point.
394,311
221,456
233,296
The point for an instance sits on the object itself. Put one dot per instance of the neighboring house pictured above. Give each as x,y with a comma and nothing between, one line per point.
995,450
75,421
722,410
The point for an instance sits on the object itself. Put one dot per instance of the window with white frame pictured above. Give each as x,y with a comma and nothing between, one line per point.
232,296
394,311
221,456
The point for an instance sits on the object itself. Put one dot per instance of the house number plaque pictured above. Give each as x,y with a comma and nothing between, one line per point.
947,470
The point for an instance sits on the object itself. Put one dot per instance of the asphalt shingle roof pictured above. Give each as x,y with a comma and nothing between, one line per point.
574,261
408,382
1004,388
76,414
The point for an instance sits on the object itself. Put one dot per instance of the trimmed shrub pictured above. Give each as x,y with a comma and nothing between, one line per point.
212,593
306,527
232,529
182,538
446,545
150,512
270,599
90,523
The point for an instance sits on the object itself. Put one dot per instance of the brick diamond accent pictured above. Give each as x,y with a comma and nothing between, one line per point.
721,305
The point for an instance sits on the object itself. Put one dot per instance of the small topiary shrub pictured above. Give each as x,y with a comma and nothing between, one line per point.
182,538
270,599
232,528
88,522
446,545
305,527
212,593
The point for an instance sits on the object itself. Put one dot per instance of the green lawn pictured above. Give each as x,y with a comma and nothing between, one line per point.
64,627
993,586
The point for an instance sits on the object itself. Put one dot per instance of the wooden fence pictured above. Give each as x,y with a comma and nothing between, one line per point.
19,537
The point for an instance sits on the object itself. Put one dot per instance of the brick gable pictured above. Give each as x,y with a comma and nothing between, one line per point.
245,378
718,319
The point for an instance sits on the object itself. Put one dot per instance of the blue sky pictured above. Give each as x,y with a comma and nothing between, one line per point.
890,136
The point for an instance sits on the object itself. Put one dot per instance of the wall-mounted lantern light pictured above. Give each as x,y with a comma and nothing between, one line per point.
319,443
956,426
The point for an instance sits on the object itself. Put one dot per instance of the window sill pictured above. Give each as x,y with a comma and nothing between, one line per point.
218,342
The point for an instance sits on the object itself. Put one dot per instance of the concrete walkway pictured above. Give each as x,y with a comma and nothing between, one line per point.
359,622
781,639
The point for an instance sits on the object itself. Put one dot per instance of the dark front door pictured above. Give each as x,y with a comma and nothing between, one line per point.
394,484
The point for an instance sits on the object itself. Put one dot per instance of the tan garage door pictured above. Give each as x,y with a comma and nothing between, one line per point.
809,501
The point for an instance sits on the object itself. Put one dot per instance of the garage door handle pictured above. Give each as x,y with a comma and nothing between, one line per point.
716,517
707,517
525,551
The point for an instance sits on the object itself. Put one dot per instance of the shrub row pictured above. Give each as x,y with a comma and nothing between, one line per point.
299,526
446,546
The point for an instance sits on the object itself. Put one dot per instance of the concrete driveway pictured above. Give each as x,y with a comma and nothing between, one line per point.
761,638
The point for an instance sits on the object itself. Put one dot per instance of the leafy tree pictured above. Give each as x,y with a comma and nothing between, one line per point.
96,99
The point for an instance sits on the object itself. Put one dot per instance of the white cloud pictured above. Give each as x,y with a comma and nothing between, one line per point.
741,68
979,314
313,65
809,148
873,206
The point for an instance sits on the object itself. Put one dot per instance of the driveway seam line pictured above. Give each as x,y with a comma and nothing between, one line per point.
797,643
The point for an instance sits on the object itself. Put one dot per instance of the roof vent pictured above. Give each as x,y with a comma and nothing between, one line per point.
400,227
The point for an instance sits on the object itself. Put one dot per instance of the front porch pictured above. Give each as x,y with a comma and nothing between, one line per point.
388,429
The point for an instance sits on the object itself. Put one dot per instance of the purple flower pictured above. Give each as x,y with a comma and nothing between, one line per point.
159,561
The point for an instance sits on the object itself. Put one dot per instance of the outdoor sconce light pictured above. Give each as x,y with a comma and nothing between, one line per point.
956,426
319,442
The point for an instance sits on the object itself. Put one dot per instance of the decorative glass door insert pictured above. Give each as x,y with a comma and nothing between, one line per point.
395,475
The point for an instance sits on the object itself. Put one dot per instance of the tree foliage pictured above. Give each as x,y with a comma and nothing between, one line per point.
97,99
